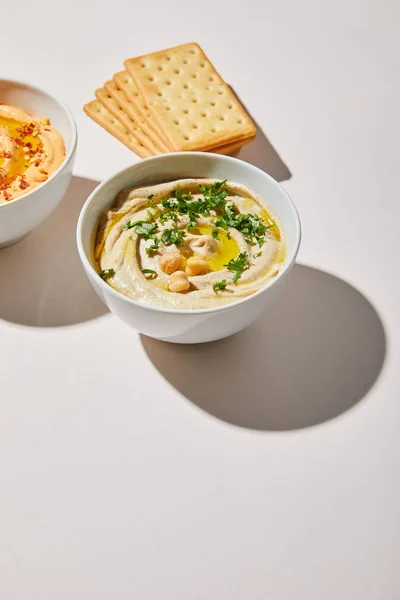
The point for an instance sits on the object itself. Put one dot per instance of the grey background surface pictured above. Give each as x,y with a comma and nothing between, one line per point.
263,466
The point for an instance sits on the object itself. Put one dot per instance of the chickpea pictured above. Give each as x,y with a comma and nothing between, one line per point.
178,282
196,266
171,262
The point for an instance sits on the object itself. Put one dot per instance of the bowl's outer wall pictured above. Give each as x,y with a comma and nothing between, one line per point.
22,216
188,327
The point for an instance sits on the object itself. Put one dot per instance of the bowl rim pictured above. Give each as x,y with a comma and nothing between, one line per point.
118,295
68,155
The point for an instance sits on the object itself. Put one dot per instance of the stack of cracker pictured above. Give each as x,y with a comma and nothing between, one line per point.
169,101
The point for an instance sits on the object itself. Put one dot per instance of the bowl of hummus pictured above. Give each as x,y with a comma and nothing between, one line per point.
37,151
188,247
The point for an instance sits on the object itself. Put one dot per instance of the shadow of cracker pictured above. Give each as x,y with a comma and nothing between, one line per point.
261,153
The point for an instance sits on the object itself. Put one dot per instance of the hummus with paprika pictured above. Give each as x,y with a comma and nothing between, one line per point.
30,152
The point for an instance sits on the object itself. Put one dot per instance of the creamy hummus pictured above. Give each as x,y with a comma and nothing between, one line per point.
212,241
30,151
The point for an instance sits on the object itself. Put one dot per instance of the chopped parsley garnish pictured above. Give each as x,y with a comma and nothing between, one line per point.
181,196
175,205
215,194
172,236
151,201
214,232
154,246
131,224
146,230
181,203
192,222
219,285
252,226
149,272
142,228
213,204
238,265
106,273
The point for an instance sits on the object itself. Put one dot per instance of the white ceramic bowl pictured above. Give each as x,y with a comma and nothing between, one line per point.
183,326
18,217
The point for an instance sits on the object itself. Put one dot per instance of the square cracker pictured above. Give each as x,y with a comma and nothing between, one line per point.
106,119
192,104
112,105
126,84
96,111
131,111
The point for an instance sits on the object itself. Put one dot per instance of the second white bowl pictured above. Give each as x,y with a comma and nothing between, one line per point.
20,216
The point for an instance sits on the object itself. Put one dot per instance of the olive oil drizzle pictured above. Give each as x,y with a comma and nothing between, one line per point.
25,147
228,248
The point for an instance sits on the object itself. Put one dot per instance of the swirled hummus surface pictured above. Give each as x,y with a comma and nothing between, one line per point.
30,151
189,244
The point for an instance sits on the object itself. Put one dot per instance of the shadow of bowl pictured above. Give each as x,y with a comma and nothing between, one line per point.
44,284
311,357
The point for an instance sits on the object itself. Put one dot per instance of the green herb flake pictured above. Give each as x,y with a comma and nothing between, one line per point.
214,232
252,226
142,228
213,204
192,222
238,266
105,273
145,229
149,272
181,203
154,246
181,196
172,236
219,285
215,194
131,224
